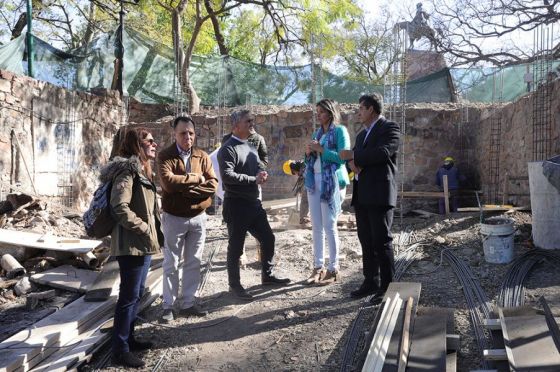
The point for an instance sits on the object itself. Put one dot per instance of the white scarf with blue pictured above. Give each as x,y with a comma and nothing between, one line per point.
330,191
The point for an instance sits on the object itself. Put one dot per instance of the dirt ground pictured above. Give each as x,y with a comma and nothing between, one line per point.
306,328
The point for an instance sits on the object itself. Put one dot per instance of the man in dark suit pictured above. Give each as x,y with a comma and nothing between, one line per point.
374,163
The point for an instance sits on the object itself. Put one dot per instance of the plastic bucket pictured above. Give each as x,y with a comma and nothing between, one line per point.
497,239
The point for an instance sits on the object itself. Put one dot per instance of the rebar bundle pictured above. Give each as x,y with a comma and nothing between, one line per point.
476,299
512,291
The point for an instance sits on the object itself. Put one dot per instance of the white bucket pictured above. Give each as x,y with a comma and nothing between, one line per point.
497,239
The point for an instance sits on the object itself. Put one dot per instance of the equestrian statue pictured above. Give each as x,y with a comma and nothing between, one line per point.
418,28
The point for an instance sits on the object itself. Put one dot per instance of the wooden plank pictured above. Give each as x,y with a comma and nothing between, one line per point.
453,342
67,277
421,194
428,347
107,279
451,362
382,336
446,194
529,344
91,340
494,354
487,208
393,351
39,341
405,340
49,242
492,324
405,290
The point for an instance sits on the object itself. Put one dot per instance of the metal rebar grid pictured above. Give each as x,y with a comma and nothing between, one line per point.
66,145
477,301
394,91
495,139
512,290
542,88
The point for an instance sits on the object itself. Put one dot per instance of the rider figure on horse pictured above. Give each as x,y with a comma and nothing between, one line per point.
421,17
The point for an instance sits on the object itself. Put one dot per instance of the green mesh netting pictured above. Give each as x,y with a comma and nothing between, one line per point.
149,76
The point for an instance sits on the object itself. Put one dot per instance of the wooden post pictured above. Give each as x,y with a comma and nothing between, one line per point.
446,193
505,195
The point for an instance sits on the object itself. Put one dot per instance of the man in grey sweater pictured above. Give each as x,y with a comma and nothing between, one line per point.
242,173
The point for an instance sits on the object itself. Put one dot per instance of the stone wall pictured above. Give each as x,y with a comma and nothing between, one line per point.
516,147
433,131
44,129
53,141
420,63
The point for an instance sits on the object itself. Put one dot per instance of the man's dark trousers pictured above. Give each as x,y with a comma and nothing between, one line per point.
374,232
242,216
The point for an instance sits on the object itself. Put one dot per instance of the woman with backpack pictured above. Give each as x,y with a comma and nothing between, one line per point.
326,179
136,235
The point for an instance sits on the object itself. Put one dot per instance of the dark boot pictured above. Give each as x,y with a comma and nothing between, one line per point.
139,344
127,360
269,279
366,289
240,292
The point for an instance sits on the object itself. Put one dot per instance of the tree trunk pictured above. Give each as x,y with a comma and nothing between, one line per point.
224,52
20,25
183,65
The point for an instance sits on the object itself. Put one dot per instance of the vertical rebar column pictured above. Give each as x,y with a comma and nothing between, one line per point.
394,90
542,87
495,138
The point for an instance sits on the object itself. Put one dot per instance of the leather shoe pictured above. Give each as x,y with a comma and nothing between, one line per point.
365,289
273,279
128,360
193,311
240,292
139,344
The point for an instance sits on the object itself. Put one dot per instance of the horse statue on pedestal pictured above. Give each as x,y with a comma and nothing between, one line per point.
418,27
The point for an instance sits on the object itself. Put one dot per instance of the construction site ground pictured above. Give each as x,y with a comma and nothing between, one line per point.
306,328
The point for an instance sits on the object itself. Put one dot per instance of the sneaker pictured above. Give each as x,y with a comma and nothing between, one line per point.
270,279
194,310
365,289
240,292
168,315
139,344
330,277
316,275
127,360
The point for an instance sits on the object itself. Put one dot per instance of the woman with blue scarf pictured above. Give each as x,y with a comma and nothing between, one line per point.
325,180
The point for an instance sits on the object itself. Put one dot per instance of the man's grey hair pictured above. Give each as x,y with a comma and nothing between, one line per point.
236,116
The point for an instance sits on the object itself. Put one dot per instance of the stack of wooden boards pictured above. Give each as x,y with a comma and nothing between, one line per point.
531,340
71,335
411,338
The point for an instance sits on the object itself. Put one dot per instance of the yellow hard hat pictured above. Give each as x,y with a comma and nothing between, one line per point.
449,158
286,167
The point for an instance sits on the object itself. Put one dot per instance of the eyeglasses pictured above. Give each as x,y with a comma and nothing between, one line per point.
150,141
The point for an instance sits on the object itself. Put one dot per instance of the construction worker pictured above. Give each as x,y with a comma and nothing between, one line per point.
453,178
297,168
